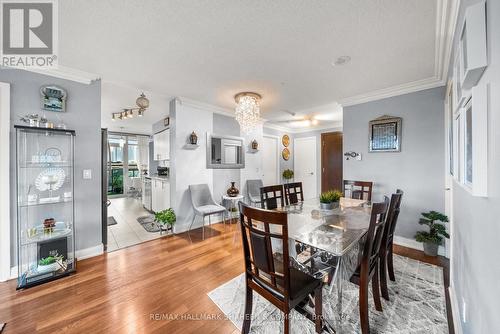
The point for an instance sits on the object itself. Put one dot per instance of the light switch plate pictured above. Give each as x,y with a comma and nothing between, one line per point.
87,174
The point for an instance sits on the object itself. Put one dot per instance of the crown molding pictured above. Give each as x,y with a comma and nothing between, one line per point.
67,73
406,88
336,126
204,106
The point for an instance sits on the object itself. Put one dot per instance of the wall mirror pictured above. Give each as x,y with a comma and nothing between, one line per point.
225,152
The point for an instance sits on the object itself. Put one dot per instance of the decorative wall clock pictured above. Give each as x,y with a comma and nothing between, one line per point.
285,154
285,140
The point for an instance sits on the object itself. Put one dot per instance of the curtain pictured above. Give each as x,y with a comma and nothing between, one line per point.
143,153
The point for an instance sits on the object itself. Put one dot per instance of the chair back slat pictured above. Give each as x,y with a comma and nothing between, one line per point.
271,197
263,231
375,233
293,193
393,213
358,189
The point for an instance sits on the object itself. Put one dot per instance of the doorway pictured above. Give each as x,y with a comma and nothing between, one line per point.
125,161
271,162
305,165
331,161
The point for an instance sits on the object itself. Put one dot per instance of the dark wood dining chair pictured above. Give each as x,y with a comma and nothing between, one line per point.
358,189
368,269
293,193
271,195
268,271
386,261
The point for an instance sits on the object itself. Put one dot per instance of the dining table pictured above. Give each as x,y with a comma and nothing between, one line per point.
327,244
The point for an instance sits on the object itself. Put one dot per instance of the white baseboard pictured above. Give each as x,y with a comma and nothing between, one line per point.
86,253
455,310
411,243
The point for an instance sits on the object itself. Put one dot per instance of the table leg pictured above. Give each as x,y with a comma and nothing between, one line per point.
340,279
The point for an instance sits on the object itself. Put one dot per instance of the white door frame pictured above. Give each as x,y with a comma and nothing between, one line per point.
448,178
295,140
278,176
5,180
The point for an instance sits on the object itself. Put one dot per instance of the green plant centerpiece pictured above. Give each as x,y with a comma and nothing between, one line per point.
434,237
50,263
329,200
287,175
166,219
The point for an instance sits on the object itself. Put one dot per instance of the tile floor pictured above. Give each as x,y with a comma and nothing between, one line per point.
128,231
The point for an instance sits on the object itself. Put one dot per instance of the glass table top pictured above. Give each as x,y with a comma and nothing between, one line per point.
334,231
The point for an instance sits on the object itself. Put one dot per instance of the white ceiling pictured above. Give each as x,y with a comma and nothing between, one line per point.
282,49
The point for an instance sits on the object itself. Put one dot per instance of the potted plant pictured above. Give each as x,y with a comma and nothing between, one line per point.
49,264
166,219
287,175
329,200
434,237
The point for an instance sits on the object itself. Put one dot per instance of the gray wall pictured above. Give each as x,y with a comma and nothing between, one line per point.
83,116
224,125
474,264
418,169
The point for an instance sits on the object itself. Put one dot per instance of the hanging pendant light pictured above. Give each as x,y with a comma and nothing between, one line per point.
248,110
142,101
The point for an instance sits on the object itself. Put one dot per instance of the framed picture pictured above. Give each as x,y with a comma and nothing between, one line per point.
53,98
166,121
385,134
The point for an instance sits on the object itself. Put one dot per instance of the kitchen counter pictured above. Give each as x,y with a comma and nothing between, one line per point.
157,177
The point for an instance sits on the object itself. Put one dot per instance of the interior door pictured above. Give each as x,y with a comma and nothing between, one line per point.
331,161
305,165
270,161
449,166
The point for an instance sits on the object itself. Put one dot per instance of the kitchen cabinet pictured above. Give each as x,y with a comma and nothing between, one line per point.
161,145
160,194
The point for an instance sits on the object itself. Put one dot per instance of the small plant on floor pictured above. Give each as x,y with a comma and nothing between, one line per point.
434,237
166,217
328,198
288,174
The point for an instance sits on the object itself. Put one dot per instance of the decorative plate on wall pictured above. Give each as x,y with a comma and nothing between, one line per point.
285,153
286,141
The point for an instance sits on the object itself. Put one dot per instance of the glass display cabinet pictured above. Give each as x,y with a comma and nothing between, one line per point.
45,204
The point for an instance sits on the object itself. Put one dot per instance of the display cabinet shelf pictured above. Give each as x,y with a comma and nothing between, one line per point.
45,204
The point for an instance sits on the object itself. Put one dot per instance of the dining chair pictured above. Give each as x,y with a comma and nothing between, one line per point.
268,271
358,189
368,269
204,204
253,191
271,195
293,193
386,261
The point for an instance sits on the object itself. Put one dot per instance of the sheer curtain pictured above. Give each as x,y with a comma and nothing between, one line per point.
143,153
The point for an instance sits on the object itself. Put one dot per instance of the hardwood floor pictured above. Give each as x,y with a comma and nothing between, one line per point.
141,289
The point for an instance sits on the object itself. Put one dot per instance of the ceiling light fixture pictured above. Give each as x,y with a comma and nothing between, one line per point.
248,110
342,60
142,103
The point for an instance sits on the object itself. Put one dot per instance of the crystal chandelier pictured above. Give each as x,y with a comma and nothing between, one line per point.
248,110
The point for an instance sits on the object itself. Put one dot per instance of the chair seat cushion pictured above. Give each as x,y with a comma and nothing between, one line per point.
210,209
300,283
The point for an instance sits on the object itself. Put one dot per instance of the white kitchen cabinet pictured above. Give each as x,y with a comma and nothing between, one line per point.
160,193
161,145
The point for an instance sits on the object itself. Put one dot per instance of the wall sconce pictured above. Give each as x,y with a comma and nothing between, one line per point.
352,155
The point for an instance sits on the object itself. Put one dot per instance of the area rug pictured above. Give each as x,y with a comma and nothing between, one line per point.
148,223
111,221
417,304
